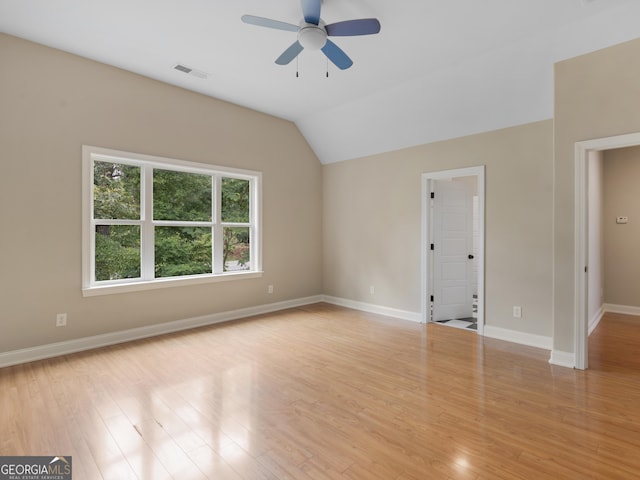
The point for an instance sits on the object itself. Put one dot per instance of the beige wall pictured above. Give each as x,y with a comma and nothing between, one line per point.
622,241
595,97
367,213
51,103
372,223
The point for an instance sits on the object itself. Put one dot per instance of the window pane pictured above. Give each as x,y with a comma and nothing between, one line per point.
236,249
181,196
182,251
235,200
117,252
116,191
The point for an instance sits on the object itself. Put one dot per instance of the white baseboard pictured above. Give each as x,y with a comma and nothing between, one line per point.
625,309
515,336
562,359
595,320
371,308
77,345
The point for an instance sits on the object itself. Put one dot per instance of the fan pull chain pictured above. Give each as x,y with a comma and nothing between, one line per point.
327,67
297,75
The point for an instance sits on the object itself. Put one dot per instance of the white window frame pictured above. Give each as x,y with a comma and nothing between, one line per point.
147,281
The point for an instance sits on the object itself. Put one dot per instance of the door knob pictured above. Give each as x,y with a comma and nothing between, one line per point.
470,257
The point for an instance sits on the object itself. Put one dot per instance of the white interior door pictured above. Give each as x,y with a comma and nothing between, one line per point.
452,250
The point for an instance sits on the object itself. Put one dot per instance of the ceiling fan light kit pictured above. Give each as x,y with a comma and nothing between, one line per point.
312,37
312,33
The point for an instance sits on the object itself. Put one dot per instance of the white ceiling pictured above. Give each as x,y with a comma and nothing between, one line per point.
438,69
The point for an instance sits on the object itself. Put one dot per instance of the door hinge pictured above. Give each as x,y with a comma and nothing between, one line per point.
432,298
433,246
586,269
433,194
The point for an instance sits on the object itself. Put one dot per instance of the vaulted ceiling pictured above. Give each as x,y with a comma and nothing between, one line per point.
438,69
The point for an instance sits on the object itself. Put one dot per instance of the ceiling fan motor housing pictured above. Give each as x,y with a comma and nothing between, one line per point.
312,37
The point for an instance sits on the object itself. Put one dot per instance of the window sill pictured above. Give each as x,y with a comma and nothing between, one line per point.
137,286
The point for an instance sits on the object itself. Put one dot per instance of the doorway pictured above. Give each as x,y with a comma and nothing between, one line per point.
583,152
453,247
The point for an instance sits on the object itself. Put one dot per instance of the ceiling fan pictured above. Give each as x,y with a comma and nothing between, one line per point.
312,33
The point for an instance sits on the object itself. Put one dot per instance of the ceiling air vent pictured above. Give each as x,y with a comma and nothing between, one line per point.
191,71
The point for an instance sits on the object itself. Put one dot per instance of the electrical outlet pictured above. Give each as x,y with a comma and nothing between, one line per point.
372,290
517,312
61,320
270,289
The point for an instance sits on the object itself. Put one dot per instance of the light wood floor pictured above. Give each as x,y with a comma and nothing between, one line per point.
322,392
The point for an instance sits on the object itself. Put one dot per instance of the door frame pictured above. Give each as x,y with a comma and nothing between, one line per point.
427,267
581,236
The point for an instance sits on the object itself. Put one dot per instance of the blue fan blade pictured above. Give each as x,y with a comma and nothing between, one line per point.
290,53
311,11
267,22
336,55
363,26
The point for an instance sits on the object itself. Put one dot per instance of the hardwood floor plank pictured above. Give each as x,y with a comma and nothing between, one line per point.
245,465
322,392
215,466
13,441
139,455
168,452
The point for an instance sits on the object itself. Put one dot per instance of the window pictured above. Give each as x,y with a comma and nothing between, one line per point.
152,222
